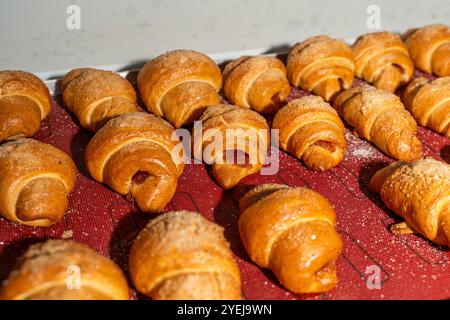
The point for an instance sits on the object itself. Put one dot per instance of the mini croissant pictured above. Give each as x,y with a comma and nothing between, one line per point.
24,102
35,180
292,232
95,96
322,65
137,154
179,85
233,140
258,83
419,192
429,103
429,48
380,117
312,130
382,59
64,270
181,255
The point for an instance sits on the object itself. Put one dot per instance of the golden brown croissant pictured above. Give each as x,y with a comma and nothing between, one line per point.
292,232
24,102
429,103
312,130
179,85
136,154
322,65
35,180
181,255
382,59
257,82
64,270
243,133
95,96
419,192
429,48
380,117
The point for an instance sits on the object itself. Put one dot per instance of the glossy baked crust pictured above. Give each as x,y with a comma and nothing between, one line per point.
429,48
181,255
96,96
429,103
64,270
379,117
257,82
179,85
243,135
35,180
291,231
419,192
137,154
312,130
382,59
24,102
321,65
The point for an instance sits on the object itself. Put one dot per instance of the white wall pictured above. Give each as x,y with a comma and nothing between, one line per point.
34,36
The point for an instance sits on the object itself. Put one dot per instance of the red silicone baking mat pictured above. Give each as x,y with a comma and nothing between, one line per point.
410,266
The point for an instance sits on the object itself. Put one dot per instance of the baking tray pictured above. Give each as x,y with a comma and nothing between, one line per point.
409,266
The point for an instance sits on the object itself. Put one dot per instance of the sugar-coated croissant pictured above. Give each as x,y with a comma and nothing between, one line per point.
137,154
234,141
380,117
24,102
419,192
182,255
95,96
429,48
312,130
292,232
64,270
322,65
35,180
429,103
257,82
179,85
382,59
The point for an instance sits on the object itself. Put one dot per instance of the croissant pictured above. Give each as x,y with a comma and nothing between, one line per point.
95,96
35,180
312,130
165,266
292,232
322,65
382,59
24,102
419,192
429,48
429,103
227,129
64,270
136,153
179,85
380,117
258,83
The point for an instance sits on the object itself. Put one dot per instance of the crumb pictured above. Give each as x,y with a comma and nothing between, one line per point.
67,234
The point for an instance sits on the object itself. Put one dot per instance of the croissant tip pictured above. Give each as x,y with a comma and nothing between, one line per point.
225,183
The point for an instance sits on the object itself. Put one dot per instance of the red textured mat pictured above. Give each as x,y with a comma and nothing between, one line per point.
410,266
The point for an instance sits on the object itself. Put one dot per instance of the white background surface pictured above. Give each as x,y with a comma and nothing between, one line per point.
124,33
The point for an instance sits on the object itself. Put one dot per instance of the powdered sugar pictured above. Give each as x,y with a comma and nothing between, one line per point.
359,148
